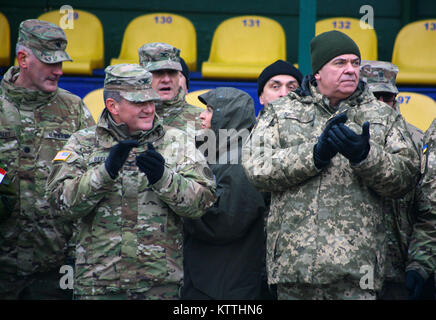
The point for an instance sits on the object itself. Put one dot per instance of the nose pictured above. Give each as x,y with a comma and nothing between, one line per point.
148,107
166,77
283,91
57,69
349,68
203,115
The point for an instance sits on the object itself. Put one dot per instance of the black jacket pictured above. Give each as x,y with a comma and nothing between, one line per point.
224,251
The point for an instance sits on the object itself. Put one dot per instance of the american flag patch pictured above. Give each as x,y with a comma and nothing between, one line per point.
62,155
2,174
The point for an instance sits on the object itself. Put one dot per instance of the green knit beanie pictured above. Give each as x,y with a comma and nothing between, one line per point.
328,45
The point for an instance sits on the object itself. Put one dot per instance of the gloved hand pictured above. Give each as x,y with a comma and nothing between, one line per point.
151,163
414,284
118,155
355,147
8,198
323,151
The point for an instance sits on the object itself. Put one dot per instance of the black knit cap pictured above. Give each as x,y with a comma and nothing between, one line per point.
278,67
185,71
328,45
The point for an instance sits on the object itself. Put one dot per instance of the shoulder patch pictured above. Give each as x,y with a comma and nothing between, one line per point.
62,155
208,173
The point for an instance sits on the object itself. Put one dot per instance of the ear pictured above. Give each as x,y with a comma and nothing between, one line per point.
23,59
261,100
317,76
112,106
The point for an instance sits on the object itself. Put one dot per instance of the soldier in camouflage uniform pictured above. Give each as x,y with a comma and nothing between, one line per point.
36,119
329,153
381,79
163,61
127,182
421,264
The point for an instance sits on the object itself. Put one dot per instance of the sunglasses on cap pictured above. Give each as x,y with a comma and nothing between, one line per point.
385,96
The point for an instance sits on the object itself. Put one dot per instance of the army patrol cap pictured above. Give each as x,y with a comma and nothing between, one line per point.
132,82
157,56
46,40
379,75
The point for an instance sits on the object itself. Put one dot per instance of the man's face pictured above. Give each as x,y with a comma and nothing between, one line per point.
339,77
166,83
206,118
42,76
136,115
277,87
386,97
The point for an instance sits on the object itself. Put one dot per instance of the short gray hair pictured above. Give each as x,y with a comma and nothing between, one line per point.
20,47
111,94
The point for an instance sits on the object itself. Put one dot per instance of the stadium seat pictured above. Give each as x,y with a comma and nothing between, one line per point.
95,102
5,40
192,98
417,109
365,38
243,46
415,53
85,40
170,28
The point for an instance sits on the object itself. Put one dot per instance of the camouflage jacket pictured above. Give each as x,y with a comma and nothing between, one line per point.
33,126
326,225
399,218
422,247
177,113
129,233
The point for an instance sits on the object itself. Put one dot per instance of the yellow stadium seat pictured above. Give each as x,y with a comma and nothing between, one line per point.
417,109
5,40
415,53
192,98
170,28
84,33
243,46
365,38
95,102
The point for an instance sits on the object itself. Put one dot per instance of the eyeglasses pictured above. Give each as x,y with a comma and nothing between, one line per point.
385,96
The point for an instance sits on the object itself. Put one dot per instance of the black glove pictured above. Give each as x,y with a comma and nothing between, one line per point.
414,284
355,147
151,163
118,155
323,151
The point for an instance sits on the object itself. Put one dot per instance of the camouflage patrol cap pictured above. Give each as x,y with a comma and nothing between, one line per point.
132,82
380,75
46,40
157,56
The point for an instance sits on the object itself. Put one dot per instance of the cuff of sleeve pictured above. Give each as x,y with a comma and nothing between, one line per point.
418,268
164,181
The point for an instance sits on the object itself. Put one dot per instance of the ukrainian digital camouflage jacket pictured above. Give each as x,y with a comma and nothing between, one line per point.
129,233
422,247
327,225
178,113
33,126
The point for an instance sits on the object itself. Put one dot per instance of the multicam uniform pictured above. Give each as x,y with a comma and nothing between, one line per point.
399,213
129,243
326,225
176,112
33,126
422,247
